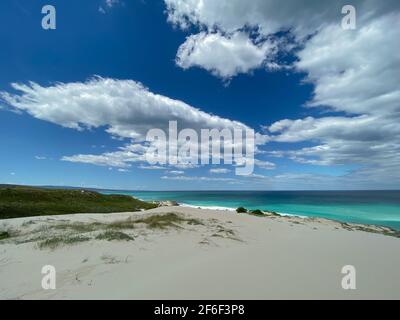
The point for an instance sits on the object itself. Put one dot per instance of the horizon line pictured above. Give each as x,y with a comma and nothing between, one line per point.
211,190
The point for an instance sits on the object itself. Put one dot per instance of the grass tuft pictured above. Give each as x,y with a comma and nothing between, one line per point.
114,235
79,227
122,224
55,242
4,235
257,213
169,220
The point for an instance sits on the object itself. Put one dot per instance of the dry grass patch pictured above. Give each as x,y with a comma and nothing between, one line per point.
58,241
114,235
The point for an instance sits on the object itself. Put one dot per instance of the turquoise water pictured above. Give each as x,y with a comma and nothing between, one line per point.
367,207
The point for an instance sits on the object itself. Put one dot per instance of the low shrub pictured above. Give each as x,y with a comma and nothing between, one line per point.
114,235
241,210
257,212
4,235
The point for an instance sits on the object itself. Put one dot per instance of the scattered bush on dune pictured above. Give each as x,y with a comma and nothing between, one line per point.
23,201
4,235
114,235
257,212
58,241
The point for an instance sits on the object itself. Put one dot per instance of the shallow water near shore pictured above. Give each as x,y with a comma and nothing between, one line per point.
366,207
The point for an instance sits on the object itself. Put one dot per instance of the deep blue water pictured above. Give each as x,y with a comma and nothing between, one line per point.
367,207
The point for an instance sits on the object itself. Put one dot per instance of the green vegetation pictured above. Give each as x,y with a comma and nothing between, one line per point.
79,227
4,235
21,201
122,224
257,212
114,235
166,221
373,229
56,234
55,242
161,221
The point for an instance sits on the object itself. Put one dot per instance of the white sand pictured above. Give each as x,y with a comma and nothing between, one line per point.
264,258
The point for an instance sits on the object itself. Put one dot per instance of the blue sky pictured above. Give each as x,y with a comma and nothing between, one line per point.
316,135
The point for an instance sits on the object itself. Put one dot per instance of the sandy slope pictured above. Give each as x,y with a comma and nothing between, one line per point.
231,256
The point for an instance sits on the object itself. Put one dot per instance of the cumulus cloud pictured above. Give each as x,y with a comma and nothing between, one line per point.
124,108
239,53
358,71
224,20
269,16
362,140
355,73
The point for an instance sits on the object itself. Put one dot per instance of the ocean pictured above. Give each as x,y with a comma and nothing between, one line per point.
366,207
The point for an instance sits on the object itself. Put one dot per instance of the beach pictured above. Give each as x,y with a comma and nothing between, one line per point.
196,254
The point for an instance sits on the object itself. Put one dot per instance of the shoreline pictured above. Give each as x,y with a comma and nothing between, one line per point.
358,217
220,208
289,215
204,254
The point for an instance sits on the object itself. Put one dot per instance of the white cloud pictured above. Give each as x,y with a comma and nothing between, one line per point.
176,172
112,3
122,158
151,167
256,162
108,4
124,108
40,158
264,164
237,52
355,73
226,56
269,16
220,170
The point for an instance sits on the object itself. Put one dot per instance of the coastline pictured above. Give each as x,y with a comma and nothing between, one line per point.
212,254
231,209
359,207
367,227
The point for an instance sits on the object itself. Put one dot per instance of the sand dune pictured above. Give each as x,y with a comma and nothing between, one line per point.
207,255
